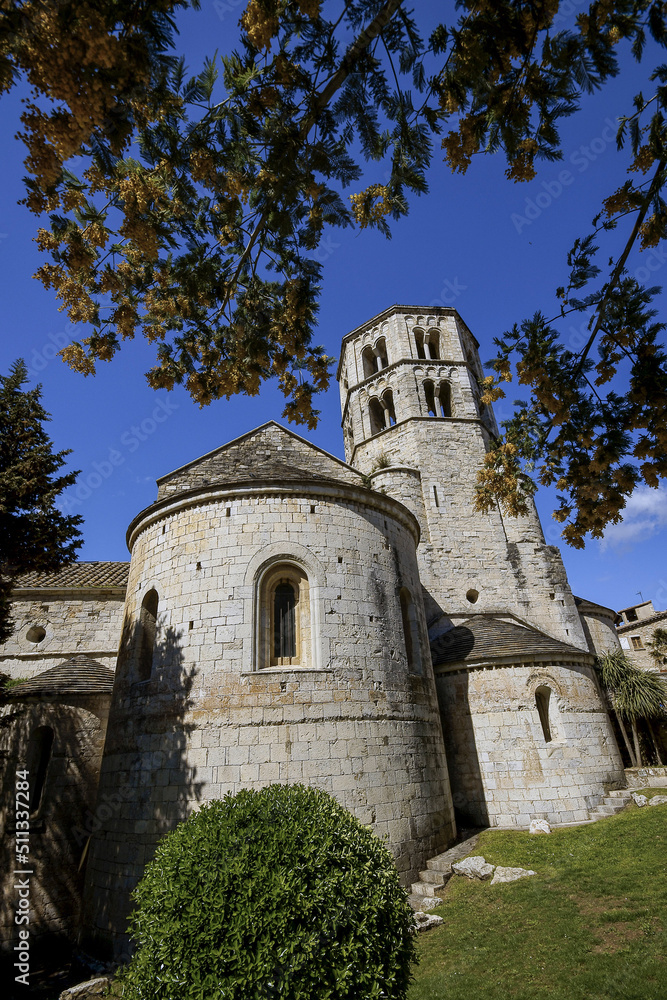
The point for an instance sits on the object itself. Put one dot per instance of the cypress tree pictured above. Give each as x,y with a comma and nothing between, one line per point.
34,534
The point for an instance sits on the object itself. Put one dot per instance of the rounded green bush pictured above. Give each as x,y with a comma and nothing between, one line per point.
279,893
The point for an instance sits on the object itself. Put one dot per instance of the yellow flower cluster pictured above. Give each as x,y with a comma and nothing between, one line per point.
260,22
370,205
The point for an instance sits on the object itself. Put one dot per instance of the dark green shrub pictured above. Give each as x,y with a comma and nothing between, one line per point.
279,893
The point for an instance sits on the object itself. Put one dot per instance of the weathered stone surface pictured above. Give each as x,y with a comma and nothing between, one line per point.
425,921
91,988
510,874
475,867
658,800
539,826
639,800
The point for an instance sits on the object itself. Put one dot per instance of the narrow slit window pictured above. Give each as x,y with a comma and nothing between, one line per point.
410,630
542,699
148,623
39,757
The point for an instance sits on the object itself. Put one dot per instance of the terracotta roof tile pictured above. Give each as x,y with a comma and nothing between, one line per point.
80,675
78,576
483,637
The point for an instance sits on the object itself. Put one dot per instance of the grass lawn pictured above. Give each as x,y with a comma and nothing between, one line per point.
591,925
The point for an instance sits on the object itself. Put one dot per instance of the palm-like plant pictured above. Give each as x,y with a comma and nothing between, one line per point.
657,646
634,694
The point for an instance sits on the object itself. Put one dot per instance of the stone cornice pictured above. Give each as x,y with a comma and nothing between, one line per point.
319,489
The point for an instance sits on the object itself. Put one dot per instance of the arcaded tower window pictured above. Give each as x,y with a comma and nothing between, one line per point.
433,345
284,618
370,365
419,344
147,624
380,351
38,758
445,399
388,406
542,699
376,413
410,630
429,391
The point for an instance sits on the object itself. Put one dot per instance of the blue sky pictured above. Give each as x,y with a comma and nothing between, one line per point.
494,250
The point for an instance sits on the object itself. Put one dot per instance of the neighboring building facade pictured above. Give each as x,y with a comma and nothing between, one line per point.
355,625
635,627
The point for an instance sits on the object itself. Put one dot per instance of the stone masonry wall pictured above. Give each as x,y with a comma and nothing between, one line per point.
356,721
504,772
74,624
60,827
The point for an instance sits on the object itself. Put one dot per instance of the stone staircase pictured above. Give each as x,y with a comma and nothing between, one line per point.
424,895
612,803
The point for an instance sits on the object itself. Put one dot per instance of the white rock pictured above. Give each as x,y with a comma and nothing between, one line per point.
539,826
658,800
639,800
425,921
510,874
475,867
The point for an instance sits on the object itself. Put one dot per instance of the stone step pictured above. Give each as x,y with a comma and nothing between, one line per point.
441,864
426,888
606,810
620,793
423,903
432,877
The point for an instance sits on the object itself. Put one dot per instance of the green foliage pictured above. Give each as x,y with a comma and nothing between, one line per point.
636,693
279,893
34,534
205,240
589,926
657,646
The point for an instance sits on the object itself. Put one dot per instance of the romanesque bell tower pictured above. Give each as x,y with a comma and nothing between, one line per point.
414,422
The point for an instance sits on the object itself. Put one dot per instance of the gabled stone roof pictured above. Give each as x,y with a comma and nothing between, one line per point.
484,638
78,576
80,675
268,452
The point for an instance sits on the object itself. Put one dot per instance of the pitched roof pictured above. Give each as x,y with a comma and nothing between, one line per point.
78,576
267,452
483,637
79,675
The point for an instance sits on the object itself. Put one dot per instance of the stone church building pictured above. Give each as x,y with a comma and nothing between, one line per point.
290,617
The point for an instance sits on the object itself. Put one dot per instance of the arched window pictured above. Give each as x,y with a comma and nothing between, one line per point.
542,698
433,345
388,406
38,758
376,413
370,365
147,627
284,617
381,353
419,344
429,390
284,622
410,630
445,399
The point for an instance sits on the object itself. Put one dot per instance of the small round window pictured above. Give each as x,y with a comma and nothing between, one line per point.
472,596
35,634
